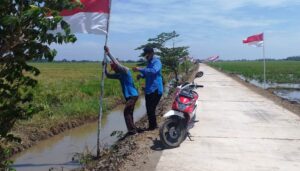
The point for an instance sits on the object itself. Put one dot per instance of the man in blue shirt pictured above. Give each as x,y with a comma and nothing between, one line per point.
123,74
154,84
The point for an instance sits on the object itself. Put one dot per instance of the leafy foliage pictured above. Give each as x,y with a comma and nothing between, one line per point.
4,153
170,56
25,27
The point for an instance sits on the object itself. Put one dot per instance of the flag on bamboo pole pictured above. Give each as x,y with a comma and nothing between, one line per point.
255,40
92,18
212,58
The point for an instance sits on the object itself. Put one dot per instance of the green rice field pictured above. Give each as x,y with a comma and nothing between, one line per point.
71,90
68,90
276,71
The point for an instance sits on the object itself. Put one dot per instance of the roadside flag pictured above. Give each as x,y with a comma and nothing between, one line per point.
255,40
258,41
92,18
212,58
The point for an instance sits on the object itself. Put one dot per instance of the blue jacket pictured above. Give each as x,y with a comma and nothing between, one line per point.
126,81
152,74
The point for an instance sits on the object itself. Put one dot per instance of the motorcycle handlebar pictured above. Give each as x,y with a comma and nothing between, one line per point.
197,86
193,85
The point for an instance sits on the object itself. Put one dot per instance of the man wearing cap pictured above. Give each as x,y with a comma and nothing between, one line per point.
154,84
123,74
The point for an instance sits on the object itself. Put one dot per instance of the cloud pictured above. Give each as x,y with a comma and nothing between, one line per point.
208,27
81,50
135,16
126,23
235,4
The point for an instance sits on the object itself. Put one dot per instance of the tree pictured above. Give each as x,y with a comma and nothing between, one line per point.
169,55
293,58
25,36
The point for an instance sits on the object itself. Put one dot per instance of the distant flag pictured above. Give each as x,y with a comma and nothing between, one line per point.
92,18
255,40
212,58
258,41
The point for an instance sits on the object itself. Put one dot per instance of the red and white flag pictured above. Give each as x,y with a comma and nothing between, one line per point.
92,18
255,40
213,58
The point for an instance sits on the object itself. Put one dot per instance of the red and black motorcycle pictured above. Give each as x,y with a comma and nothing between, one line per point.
182,116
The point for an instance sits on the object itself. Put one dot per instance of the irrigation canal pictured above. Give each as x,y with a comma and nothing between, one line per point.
58,152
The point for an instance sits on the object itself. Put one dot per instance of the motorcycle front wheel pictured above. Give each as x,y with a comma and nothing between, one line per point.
172,132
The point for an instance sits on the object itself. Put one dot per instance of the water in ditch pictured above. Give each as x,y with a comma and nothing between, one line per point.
288,91
291,95
57,152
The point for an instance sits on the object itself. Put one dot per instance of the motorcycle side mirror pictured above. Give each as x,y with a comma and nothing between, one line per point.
199,74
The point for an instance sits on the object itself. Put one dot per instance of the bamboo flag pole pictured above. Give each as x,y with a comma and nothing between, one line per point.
264,60
102,85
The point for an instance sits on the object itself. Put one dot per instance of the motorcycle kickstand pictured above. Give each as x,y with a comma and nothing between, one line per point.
189,136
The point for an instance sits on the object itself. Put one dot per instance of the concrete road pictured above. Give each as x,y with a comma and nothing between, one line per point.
238,130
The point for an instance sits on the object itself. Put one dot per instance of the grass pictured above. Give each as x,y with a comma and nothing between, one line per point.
71,90
276,71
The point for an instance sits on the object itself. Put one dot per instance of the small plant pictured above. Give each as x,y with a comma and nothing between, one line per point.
118,134
5,164
83,158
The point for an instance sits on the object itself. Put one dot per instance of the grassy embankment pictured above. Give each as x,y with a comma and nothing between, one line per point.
68,91
71,90
276,72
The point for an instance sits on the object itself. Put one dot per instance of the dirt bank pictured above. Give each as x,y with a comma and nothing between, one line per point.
138,152
31,134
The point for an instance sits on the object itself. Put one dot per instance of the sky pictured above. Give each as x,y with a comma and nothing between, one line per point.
208,27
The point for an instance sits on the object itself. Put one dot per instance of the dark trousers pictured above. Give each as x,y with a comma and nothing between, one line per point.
128,113
152,101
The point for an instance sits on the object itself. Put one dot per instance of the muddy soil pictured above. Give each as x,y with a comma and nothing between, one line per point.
138,152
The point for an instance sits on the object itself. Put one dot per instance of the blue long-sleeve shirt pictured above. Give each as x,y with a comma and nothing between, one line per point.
152,74
126,81
125,78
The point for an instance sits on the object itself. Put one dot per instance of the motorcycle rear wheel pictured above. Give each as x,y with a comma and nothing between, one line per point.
172,132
